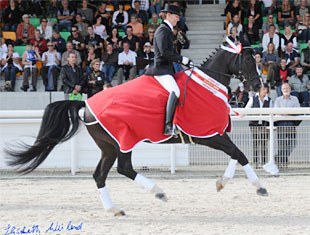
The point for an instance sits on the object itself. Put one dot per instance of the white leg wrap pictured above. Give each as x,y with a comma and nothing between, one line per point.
105,198
250,173
144,182
231,168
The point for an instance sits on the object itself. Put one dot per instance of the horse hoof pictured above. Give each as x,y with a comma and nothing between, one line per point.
262,192
161,196
119,214
219,185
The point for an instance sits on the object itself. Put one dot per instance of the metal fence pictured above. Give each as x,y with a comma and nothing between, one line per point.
287,146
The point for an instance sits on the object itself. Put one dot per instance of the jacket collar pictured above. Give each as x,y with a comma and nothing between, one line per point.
168,24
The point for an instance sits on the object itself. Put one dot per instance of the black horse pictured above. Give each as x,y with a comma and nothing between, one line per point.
61,121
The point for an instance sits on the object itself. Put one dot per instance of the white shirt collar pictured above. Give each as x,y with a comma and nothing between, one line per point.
168,23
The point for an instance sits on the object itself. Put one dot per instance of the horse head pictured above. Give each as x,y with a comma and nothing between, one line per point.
233,60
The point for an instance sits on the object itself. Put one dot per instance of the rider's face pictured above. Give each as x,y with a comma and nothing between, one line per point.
173,18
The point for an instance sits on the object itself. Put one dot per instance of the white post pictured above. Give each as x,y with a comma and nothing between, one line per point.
271,138
172,158
74,152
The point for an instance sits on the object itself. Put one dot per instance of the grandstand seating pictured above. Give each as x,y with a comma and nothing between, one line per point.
34,21
65,35
9,35
20,50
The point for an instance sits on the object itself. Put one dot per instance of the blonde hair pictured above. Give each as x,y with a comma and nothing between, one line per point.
94,61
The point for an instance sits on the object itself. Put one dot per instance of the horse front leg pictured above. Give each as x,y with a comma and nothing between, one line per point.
125,168
225,144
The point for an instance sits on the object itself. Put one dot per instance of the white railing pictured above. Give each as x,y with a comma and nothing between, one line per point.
79,151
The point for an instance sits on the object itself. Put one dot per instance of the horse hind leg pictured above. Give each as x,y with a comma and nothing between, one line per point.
108,157
125,168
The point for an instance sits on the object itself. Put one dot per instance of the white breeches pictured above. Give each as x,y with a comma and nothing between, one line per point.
168,82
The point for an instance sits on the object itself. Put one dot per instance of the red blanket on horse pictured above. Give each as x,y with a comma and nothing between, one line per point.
135,111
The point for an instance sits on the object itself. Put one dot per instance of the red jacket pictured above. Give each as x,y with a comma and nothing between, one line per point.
41,45
20,31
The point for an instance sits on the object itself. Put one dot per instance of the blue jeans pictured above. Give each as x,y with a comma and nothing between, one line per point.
10,74
109,71
62,26
10,27
155,8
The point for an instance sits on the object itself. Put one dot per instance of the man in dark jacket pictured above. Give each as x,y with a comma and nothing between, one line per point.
165,55
72,77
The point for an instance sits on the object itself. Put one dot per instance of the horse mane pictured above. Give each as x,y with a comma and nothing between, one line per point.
207,61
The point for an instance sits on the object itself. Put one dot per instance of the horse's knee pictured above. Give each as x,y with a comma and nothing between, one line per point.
238,155
128,172
100,180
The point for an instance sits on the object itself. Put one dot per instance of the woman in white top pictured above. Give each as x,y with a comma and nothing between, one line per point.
29,59
260,134
99,28
120,17
50,70
46,31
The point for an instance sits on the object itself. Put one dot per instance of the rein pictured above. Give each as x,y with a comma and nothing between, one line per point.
185,86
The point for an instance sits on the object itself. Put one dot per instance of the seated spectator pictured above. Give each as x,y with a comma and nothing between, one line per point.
81,25
131,39
269,22
3,47
10,66
282,74
154,23
292,57
305,58
11,17
114,39
137,27
287,37
156,6
100,28
232,9
269,7
110,59
65,16
25,31
51,67
65,55
271,36
86,12
145,59
304,29
137,10
95,40
120,17
252,30
91,55
144,5
270,61
95,79
233,35
39,42
77,41
254,9
105,16
300,85
59,42
149,38
300,12
286,130
29,59
235,22
46,31
127,64
286,14
258,62
72,76
52,9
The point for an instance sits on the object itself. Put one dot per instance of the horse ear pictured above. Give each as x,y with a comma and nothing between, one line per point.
244,39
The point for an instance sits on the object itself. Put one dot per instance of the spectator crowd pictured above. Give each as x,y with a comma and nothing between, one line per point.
279,30
85,43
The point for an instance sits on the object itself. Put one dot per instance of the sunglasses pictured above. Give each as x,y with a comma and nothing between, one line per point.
49,45
73,31
151,32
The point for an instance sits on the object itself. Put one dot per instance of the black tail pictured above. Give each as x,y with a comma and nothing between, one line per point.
55,129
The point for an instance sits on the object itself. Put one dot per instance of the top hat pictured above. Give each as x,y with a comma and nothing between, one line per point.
172,9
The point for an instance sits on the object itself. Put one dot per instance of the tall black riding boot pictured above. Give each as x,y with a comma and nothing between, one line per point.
170,108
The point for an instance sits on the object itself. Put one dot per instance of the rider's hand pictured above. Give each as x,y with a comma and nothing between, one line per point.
187,62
